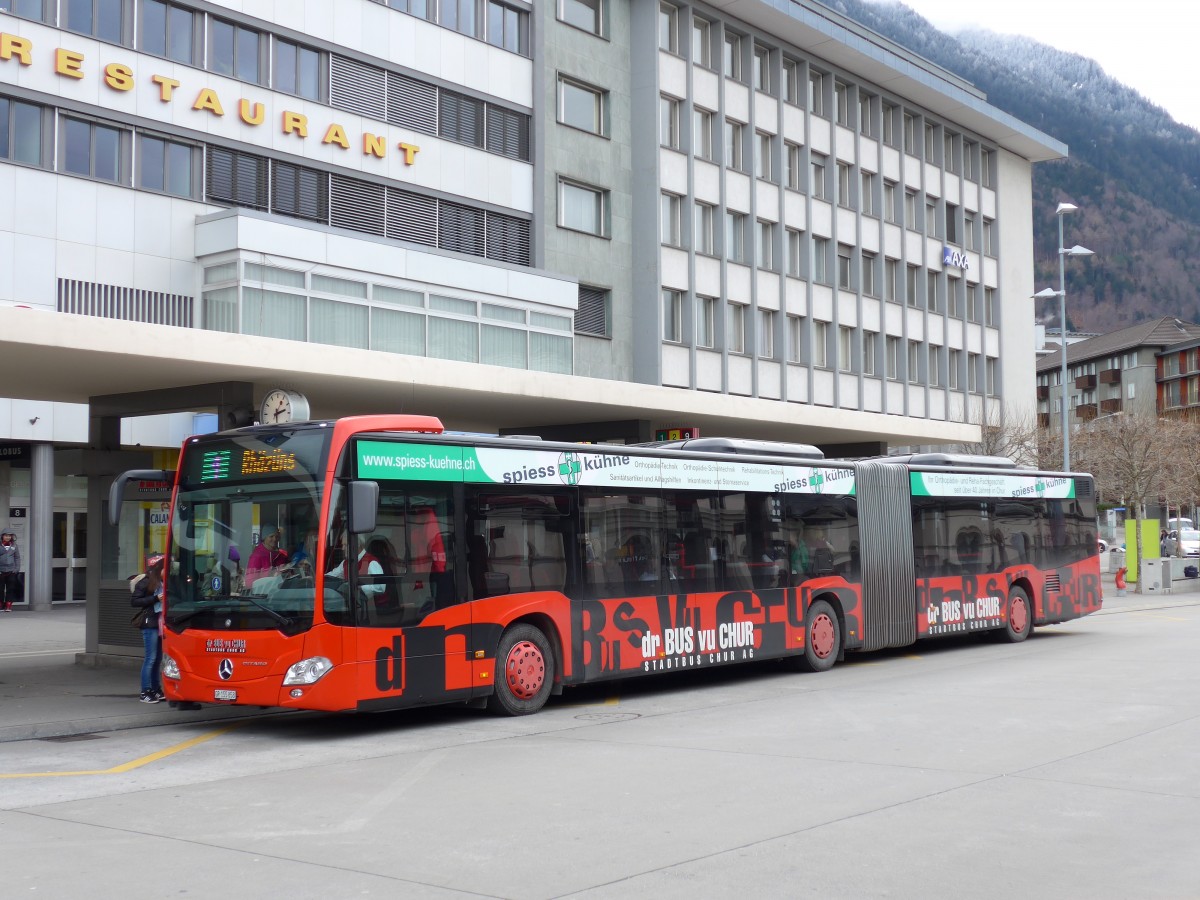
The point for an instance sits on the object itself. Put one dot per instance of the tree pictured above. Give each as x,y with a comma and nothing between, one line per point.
1129,455
1007,432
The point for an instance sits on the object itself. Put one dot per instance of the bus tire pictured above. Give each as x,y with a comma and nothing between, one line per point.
524,672
822,638
1019,624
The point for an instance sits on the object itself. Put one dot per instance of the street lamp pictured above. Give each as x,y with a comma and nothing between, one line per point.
1061,294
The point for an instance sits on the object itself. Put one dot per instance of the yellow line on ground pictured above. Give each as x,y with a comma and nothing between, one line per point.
133,764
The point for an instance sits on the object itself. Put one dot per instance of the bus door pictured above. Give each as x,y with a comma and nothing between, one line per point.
411,622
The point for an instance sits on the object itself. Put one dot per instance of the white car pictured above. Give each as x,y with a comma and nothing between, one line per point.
1189,542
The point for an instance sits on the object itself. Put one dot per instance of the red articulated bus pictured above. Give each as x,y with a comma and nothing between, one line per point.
414,567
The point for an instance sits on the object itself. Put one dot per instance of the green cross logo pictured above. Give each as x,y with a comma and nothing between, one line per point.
569,468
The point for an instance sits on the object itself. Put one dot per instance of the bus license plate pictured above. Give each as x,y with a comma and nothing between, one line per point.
224,695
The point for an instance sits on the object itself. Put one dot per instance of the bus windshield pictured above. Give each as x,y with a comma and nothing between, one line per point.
243,533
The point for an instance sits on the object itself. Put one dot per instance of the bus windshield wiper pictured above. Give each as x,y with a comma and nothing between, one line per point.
225,600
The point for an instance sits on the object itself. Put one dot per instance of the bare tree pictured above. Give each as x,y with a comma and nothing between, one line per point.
1128,454
1005,431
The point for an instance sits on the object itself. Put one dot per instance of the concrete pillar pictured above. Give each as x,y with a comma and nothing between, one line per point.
41,520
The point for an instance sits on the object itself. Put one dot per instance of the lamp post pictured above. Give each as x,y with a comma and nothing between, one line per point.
1061,294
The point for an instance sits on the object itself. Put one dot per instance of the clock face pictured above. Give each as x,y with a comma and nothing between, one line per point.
280,406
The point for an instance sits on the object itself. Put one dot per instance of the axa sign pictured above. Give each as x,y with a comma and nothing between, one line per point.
956,258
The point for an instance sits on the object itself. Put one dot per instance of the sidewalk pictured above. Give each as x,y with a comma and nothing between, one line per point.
44,693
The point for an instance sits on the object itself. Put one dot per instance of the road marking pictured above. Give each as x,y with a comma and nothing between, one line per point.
23,654
1161,618
133,764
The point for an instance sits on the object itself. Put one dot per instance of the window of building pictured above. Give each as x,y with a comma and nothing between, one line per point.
766,333
671,207
26,9
762,69
931,291
584,14
668,122
706,322
816,92
870,349
795,338
910,209
765,247
668,28
934,369
702,42
989,237
672,312
986,173
953,364
791,82
910,134
702,140
866,194
820,344
930,143
94,150
103,19
816,176
703,221
973,372
845,263
795,253
891,279
845,354
968,158
732,60
236,51
949,156
842,113
931,218
763,163
887,118
21,132
991,313
989,367
168,30
297,70
792,165
820,260
865,119
733,145
240,179
893,357
914,362
735,327
582,106
458,15
582,208
592,316
911,276
890,209
735,236
168,166
507,27
844,197
968,236
303,193
953,301
869,285
952,235
972,302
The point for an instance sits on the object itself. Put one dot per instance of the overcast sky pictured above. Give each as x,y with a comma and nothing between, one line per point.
1151,46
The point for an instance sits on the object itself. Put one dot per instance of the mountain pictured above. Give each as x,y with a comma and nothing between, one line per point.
1132,170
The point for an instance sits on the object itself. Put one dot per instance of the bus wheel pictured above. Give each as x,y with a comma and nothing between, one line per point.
524,672
823,642
1020,616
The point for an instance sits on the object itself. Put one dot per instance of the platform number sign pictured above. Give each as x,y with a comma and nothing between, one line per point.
676,434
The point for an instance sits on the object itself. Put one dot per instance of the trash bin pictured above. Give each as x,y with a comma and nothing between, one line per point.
1116,559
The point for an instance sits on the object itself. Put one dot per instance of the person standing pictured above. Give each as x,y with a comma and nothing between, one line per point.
10,571
148,594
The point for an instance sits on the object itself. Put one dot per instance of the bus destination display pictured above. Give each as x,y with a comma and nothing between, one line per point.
218,461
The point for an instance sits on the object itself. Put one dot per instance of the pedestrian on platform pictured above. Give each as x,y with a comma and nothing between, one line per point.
11,587
148,594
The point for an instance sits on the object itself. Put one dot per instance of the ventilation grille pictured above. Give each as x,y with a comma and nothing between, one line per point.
357,87
460,118
507,133
236,178
507,239
1052,585
591,316
108,301
358,205
411,103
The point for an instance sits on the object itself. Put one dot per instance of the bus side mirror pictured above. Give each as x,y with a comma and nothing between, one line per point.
364,502
116,491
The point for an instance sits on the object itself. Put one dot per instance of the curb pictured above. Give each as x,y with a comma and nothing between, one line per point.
34,731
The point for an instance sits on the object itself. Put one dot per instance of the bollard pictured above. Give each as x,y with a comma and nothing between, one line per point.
1121,581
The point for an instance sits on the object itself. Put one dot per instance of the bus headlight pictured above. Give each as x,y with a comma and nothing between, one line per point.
170,668
308,671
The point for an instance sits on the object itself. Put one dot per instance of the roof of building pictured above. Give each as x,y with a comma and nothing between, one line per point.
1152,333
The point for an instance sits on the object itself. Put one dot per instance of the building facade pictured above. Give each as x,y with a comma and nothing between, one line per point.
586,218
